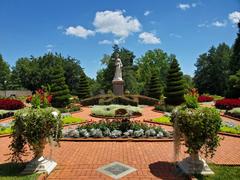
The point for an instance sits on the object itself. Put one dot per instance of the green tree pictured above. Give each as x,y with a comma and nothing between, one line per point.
211,75
83,89
234,83
235,59
59,88
155,61
155,88
4,73
35,72
175,88
188,82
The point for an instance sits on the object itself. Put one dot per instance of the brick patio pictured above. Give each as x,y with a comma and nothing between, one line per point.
153,160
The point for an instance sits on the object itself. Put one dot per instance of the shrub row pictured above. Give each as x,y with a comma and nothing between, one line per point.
11,104
227,103
5,114
235,112
204,98
132,100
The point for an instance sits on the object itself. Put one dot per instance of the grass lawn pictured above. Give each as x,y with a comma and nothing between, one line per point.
224,128
233,130
163,119
7,130
222,173
10,171
71,120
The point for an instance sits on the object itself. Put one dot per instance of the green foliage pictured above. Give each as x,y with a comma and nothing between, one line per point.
175,89
72,120
59,89
111,109
155,89
221,172
232,130
235,111
4,73
163,119
187,83
200,127
7,130
83,89
211,75
35,72
164,107
235,59
32,127
191,101
12,171
234,85
153,61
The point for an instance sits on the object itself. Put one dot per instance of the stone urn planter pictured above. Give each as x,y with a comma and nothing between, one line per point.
33,127
199,127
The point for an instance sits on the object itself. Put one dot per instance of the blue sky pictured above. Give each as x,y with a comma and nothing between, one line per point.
86,29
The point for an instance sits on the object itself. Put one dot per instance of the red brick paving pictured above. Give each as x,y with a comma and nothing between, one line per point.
153,160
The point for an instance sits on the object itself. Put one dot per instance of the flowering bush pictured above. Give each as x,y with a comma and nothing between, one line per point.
40,99
11,104
204,98
227,103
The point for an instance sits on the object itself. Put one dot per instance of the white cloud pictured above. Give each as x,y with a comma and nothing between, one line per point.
79,31
175,35
119,41
219,23
194,4
49,46
105,42
184,6
149,38
234,17
60,27
116,23
146,13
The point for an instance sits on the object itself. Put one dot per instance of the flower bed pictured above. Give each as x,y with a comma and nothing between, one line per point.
115,111
204,98
235,112
11,104
116,129
5,114
227,103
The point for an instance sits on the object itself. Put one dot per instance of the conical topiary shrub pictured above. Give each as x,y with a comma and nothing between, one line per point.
175,88
59,88
83,89
155,89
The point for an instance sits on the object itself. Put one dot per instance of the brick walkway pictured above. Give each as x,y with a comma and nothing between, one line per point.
153,160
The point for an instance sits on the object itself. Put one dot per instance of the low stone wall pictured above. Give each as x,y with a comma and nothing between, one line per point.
17,93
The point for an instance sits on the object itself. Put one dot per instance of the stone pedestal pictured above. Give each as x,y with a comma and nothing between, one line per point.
193,165
118,89
40,165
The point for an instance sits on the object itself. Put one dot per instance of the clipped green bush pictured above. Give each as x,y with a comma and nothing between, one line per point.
155,88
83,89
59,88
164,107
175,86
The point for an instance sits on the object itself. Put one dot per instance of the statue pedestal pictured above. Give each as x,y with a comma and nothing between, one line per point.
118,89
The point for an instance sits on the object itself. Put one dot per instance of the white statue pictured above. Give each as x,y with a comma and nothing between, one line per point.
118,72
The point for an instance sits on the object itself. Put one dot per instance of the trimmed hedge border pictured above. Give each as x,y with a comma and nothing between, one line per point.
159,123
114,117
118,139
230,117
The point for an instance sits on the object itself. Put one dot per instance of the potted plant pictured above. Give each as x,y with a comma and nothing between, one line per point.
33,127
199,126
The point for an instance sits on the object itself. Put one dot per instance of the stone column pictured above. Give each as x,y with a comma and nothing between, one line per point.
118,89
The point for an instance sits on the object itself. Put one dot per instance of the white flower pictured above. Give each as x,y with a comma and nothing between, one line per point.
55,114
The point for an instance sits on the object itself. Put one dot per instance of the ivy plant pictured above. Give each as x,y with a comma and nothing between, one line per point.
200,127
33,127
